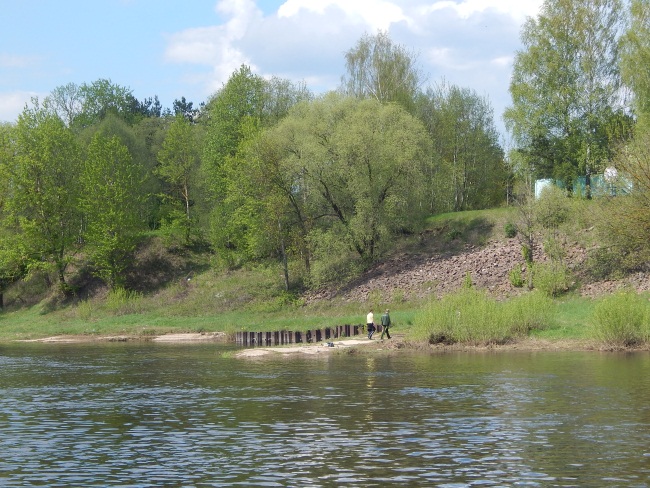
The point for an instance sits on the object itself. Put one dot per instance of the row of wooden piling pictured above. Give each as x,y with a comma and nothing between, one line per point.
280,337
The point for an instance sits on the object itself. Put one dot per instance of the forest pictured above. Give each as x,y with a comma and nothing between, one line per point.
267,171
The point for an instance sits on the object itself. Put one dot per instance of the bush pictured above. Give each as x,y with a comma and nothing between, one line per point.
622,319
553,278
510,230
471,317
123,302
516,278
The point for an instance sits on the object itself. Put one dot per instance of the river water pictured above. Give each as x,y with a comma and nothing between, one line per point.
188,415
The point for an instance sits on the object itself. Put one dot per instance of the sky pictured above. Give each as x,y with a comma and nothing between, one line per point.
174,48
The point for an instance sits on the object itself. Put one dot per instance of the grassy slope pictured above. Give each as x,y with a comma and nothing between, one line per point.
181,293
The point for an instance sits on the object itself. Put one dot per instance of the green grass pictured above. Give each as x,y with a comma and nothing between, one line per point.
252,298
571,319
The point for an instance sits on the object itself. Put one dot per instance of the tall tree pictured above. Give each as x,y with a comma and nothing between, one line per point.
245,105
12,249
179,161
566,86
471,172
44,191
636,56
111,178
361,163
380,69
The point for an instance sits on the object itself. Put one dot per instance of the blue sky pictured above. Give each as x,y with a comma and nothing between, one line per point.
189,48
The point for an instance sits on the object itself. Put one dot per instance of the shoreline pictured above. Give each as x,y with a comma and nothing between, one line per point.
395,344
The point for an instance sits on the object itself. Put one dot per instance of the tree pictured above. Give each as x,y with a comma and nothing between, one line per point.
360,165
379,69
12,251
470,173
44,191
111,202
179,161
566,87
66,101
244,106
185,108
636,55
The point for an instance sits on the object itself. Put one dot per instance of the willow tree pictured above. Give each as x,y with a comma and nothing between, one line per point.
380,69
565,87
359,167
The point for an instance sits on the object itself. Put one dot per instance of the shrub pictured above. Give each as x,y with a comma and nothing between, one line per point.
531,311
552,278
469,316
622,319
510,230
123,302
516,278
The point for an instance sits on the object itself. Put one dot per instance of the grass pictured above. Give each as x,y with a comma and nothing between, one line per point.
471,317
253,299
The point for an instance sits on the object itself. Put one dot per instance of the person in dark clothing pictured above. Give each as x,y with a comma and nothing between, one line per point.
385,324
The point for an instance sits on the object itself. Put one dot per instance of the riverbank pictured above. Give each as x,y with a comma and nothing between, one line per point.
361,345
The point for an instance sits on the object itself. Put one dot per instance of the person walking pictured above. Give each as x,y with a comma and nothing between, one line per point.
370,324
385,324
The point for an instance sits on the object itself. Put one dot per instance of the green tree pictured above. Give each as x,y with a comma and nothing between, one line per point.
12,252
380,69
245,105
112,196
470,173
179,162
359,163
43,193
636,55
566,87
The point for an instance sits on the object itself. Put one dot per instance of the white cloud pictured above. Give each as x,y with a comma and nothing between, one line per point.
470,43
376,14
215,46
13,103
517,9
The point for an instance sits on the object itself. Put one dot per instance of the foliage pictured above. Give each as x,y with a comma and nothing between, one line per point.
234,116
112,228
516,277
379,69
470,171
510,230
622,319
565,88
43,191
358,165
623,222
179,162
553,278
469,316
81,106
636,53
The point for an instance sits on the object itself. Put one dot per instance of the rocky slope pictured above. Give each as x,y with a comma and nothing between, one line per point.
417,275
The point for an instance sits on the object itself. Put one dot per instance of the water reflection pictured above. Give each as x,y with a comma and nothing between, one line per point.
152,415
